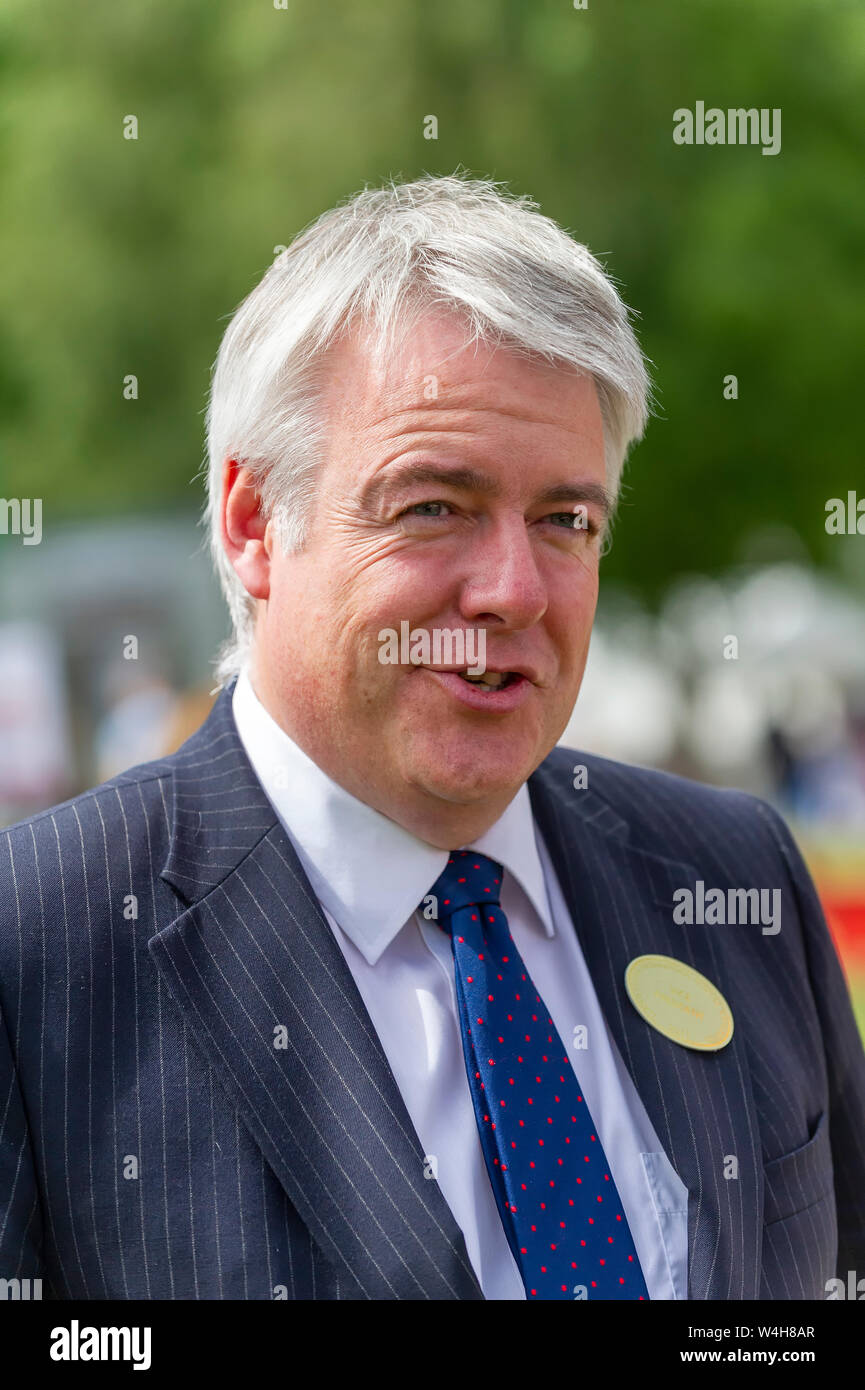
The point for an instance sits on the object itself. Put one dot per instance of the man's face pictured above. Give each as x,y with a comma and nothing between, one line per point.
448,495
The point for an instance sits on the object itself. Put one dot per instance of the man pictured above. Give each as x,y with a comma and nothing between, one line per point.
332,1003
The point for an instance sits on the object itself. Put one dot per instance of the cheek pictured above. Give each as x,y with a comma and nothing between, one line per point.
401,586
572,612
328,615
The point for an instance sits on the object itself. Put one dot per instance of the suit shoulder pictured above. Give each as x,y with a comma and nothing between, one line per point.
655,802
57,854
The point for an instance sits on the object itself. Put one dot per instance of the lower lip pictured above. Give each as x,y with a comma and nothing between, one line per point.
510,697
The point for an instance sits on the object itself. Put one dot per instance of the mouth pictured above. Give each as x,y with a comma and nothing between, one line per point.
491,680
494,692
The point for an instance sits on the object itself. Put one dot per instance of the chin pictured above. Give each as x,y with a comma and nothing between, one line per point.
467,773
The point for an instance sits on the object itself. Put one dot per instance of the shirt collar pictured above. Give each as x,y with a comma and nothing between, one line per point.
343,844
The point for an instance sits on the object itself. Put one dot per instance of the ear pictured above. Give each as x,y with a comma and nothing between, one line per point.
246,536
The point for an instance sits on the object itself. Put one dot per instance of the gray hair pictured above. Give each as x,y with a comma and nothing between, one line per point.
376,262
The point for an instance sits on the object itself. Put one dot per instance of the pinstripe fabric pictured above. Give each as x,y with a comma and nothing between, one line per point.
157,1140
793,1074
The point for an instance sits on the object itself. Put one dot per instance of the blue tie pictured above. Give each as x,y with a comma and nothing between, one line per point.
555,1193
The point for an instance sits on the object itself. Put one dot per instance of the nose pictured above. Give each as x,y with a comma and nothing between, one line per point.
503,585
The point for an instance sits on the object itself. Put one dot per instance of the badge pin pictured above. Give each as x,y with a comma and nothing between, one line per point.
679,1002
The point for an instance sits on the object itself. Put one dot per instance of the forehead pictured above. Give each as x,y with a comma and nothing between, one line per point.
435,380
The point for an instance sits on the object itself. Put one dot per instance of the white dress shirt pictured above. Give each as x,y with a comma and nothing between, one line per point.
369,875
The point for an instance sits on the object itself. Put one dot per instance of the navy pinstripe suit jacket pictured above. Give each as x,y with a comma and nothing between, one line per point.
158,932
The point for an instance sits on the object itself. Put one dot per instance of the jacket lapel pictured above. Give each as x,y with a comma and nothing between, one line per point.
700,1103
263,986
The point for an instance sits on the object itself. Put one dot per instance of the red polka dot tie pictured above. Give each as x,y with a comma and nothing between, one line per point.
552,1183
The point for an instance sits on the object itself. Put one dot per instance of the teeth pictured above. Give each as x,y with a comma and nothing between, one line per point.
491,680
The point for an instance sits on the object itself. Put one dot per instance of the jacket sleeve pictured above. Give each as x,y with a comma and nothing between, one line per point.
845,1056
20,1214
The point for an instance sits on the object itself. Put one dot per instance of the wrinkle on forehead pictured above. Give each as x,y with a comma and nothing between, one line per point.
473,380
464,415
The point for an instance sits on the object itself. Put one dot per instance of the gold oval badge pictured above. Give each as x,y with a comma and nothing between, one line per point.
680,1002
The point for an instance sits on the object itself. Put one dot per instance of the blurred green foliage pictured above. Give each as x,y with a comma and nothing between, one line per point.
128,256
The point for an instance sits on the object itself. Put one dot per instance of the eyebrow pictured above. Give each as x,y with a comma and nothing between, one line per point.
476,480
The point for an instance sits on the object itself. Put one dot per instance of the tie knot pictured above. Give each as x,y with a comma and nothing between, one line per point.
468,879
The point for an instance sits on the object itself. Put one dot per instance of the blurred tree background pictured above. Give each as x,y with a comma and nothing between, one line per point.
126,256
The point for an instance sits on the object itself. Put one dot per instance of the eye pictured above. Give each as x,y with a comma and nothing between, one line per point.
573,521
426,509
